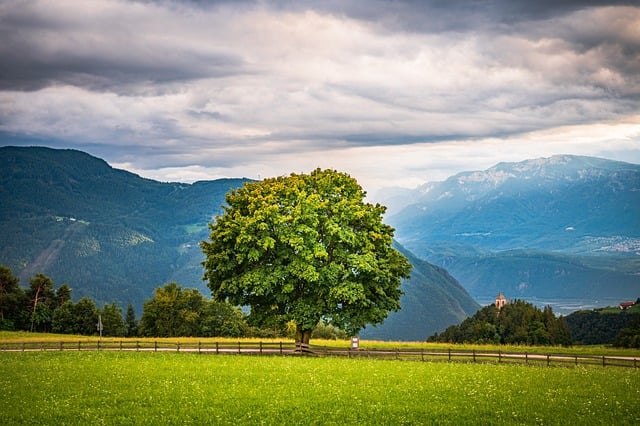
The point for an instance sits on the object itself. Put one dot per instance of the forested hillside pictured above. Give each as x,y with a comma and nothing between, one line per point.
605,325
113,236
518,322
430,289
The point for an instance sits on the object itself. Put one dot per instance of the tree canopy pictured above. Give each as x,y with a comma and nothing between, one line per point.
174,311
518,322
305,248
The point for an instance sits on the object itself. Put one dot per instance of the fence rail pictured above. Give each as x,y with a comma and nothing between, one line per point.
290,348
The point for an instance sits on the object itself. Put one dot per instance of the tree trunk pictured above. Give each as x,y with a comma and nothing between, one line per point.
302,337
35,306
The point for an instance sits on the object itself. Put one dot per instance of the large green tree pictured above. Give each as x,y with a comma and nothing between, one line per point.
305,248
12,300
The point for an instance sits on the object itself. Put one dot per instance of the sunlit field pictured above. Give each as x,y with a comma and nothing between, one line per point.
177,388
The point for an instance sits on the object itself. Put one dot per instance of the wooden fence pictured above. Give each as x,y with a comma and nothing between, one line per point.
290,348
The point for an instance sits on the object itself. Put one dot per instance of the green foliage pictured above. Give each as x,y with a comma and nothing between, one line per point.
12,301
174,311
432,301
629,337
42,301
518,322
328,332
76,318
304,248
139,388
109,233
131,323
112,322
602,326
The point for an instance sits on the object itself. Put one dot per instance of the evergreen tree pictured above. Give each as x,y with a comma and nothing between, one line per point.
12,301
112,322
130,322
86,314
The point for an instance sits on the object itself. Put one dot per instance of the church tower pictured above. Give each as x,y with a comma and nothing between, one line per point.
500,301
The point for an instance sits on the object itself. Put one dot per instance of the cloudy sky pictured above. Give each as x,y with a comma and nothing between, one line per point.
396,93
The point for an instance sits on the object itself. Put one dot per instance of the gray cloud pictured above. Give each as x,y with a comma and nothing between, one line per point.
43,45
269,86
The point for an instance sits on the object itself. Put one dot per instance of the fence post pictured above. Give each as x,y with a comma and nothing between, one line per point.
137,345
178,347
449,354
576,360
422,353
603,361
120,345
280,347
499,356
526,358
548,359
260,347
78,344
199,346
217,349
239,351
61,344
474,355
397,353
155,346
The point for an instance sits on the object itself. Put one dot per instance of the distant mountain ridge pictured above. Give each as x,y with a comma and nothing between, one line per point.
114,236
549,227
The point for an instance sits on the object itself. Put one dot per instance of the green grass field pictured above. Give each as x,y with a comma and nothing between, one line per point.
177,388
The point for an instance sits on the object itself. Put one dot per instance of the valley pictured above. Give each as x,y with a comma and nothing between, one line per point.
562,231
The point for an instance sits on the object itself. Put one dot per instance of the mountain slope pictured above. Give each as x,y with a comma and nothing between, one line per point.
432,301
114,236
564,210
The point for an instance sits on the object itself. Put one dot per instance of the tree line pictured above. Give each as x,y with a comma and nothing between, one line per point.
172,311
520,322
517,322
606,326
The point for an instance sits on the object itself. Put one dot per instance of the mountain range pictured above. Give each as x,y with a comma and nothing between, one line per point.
564,227
115,237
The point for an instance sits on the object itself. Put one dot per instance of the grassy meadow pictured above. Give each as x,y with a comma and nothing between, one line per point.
178,388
